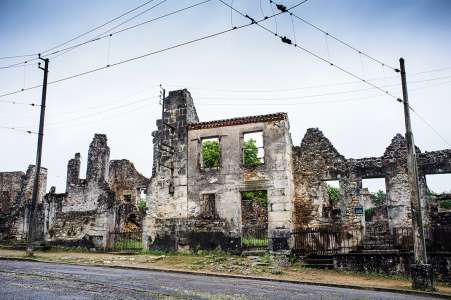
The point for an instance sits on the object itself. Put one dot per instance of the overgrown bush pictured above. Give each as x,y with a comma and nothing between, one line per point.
445,204
334,195
142,204
251,153
258,196
369,213
379,197
211,154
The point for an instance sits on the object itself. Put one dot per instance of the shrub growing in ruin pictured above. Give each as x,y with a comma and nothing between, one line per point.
250,152
210,154
334,195
378,198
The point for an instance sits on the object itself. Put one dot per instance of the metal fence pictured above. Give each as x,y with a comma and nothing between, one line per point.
125,241
254,237
326,241
437,238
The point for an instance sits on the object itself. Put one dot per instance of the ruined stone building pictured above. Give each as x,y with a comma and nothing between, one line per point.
316,162
105,201
16,189
194,205
234,184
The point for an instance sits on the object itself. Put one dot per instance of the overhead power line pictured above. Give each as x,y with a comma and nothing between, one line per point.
19,103
430,126
344,43
205,37
326,93
108,34
17,129
70,40
286,40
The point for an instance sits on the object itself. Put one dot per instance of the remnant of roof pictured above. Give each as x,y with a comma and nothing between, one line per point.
238,121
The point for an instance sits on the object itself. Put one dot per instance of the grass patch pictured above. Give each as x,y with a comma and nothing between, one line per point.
128,245
254,242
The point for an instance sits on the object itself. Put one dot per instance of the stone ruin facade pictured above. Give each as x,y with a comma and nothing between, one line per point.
195,207
16,189
106,201
316,161
190,206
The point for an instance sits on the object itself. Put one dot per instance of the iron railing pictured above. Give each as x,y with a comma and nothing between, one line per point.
254,237
326,241
437,238
125,241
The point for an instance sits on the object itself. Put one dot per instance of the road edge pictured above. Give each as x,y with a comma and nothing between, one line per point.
236,276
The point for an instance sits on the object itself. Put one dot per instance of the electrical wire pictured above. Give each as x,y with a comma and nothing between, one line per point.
72,39
287,41
17,129
100,37
430,126
97,27
19,103
325,94
205,37
344,43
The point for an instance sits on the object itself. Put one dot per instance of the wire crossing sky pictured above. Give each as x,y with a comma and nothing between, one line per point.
244,72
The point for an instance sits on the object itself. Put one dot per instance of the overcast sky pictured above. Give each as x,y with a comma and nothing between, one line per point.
244,72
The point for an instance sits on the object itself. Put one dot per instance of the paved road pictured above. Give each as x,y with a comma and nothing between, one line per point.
34,280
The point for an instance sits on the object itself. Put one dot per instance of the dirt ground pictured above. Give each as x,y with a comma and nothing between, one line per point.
220,263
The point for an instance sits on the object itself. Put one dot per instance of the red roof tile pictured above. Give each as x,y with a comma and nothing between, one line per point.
238,121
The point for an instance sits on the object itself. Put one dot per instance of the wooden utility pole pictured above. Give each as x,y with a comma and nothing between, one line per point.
34,198
421,271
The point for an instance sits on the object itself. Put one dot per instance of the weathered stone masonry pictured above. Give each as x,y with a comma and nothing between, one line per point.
317,161
294,179
175,216
16,189
106,201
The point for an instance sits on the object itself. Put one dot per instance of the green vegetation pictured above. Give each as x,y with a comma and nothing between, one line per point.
334,195
261,197
250,242
142,204
445,204
369,213
378,197
250,153
128,245
210,154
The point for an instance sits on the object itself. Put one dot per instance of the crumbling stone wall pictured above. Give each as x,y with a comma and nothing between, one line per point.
178,184
316,161
232,178
91,208
16,189
167,198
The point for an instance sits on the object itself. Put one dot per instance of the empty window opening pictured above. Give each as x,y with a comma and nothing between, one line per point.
253,149
375,190
211,153
208,206
333,194
142,192
439,186
374,195
127,197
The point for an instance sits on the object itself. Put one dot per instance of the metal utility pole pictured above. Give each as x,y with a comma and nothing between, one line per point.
421,271
34,198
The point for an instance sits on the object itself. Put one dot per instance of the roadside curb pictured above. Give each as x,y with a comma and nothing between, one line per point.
234,276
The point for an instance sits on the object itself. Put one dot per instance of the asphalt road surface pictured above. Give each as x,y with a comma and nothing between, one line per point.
34,280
